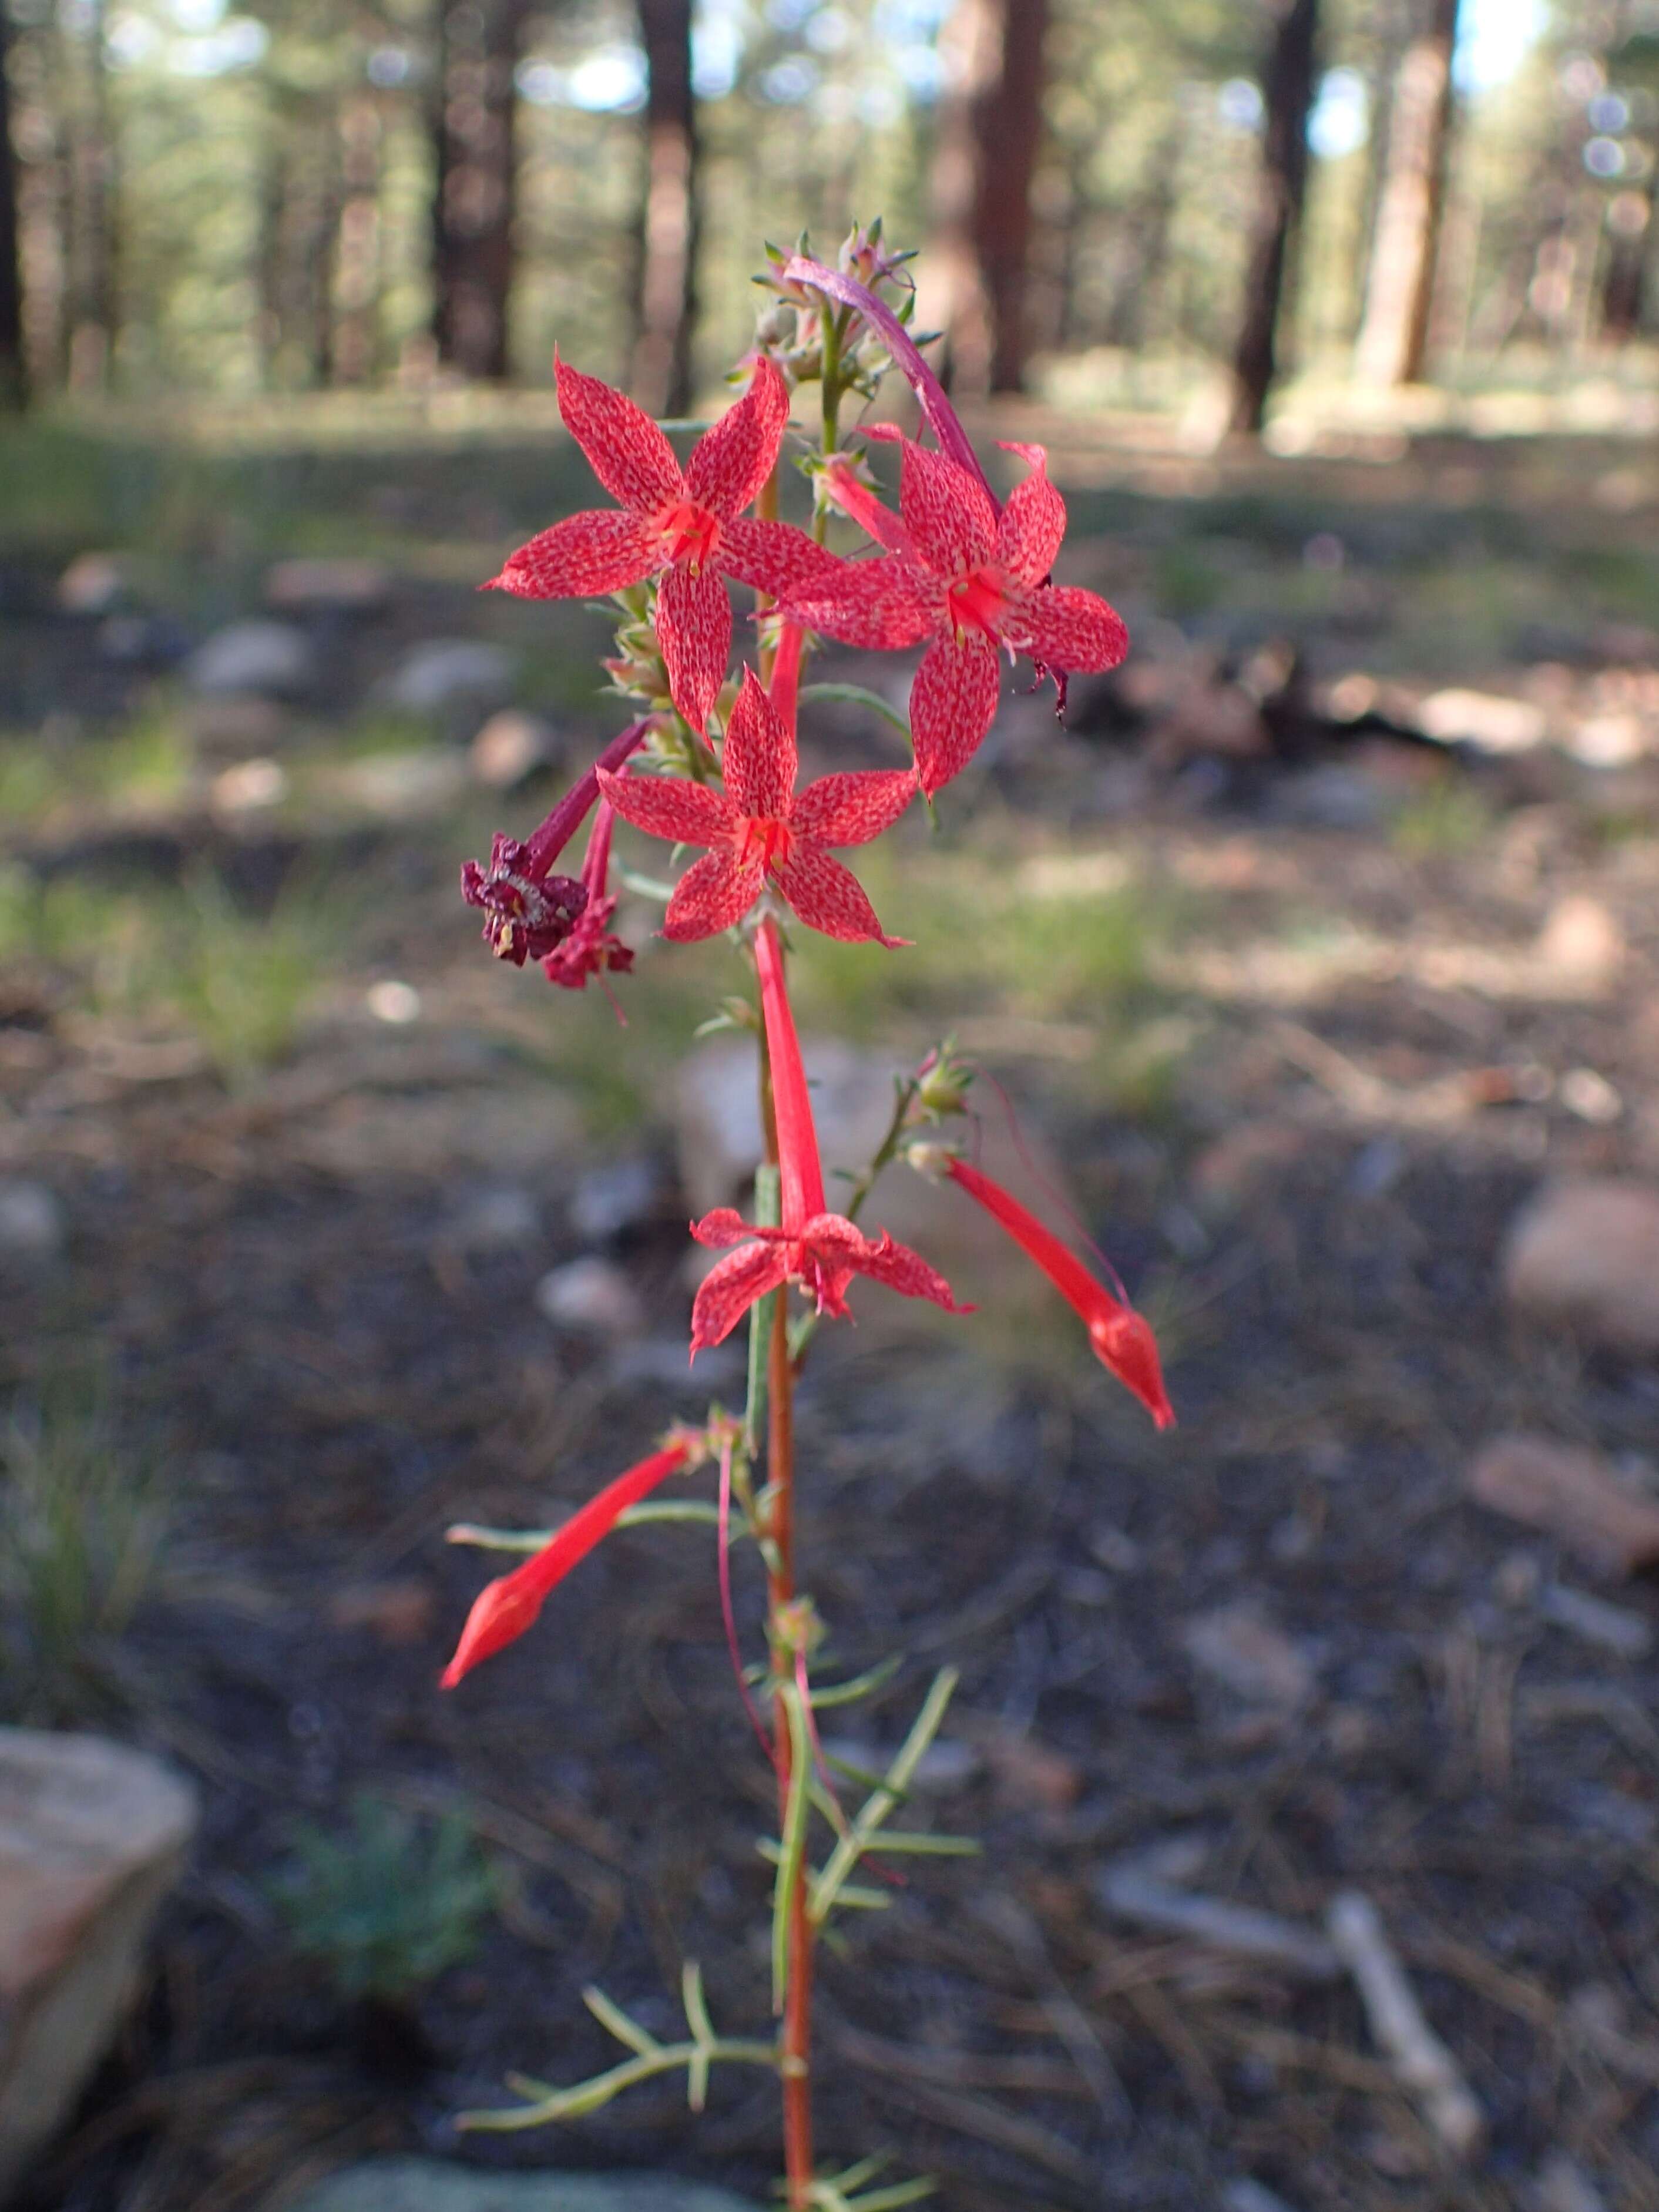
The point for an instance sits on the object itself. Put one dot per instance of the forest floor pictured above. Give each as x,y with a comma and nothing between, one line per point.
1306,1032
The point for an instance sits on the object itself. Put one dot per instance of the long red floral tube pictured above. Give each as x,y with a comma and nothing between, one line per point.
503,1609
942,417
1123,1341
799,1169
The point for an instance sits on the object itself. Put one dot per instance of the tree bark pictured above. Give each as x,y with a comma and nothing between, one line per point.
1287,91
13,379
1631,228
987,131
666,307
475,194
1394,332
356,263
94,310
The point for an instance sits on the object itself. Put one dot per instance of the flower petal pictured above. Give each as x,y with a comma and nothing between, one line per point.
775,557
1066,626
1124,1344
713,894
853,808
758,762
947,511
603,549
503,1609
883,605
830,898
953,703
730,463
626,450
670,806
855,498
1033,522
725,1225
731,1287
694,629
886,1262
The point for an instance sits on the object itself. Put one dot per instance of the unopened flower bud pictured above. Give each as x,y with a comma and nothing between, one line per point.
944,1084
798,1627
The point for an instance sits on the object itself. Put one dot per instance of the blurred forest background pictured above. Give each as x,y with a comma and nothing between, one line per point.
297,196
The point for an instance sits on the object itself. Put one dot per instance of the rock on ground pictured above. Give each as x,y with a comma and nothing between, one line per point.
1585,1255
92,1836
254,656
32,1223
449,673
424,2184
1572,1494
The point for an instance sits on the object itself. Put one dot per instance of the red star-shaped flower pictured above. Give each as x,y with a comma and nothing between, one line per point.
971,580
685,525
822,1256
761,827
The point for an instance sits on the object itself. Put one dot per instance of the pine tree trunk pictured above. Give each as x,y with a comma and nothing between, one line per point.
666,304
475,192
1631,226
358,268
1287,89
1009,129
988,125
13,380
1394,334
94,290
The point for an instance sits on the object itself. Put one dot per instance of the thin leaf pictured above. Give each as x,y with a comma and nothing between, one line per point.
856,695
847,1693
884,1799
935,1847
615,2021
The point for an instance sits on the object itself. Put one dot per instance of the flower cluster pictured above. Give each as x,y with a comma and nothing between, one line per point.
713,765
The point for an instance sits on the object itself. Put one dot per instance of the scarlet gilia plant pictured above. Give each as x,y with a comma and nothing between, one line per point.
711,764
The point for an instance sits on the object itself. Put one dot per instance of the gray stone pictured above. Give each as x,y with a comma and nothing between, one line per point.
451,671
611,1198
265,657
32,1223
510,746
407,787
321,584
592,1295
424,2184
92,1837
1239,1647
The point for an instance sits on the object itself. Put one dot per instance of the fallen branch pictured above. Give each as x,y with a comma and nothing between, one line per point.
1139,1897
1421,2062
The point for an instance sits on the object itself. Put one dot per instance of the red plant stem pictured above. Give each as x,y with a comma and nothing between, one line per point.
799,1169
544,845
783,1093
